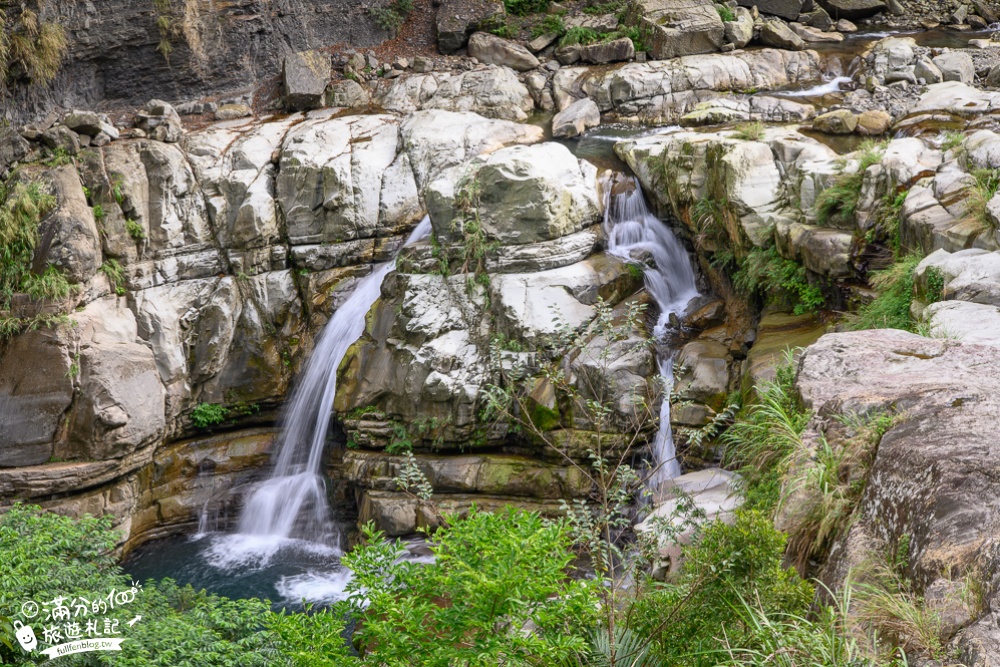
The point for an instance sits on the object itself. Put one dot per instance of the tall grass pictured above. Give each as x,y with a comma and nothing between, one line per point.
985,184
839,202
22,207
891,308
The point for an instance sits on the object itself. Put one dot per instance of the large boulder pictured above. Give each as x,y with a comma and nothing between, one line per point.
786,9
613,51
778,34
458,19
678,27
740,32
306,76
576,118
852,9
494,50
956,66
526,194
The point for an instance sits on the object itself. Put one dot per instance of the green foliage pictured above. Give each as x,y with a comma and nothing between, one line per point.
633,33
551,24
311,639
392,17
115,274
692,619
502,29
725,13
522,7
98,213
839,202
891,308
22,207
764,436
580,35
400,442
952,139
935,284
613,7
51,284
205,415
984,186
752,131
494,577
778,280
30,47
135,230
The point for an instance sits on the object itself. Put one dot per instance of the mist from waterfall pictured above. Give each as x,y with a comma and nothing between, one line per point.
636,234
292,503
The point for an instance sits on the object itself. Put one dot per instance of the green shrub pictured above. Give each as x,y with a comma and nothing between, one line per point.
890,309
522,7
725,13
777,280
494,577
208,414
51,284
36,46
984,187
693,619
551,24
22,207
613,7
135,230
579,35
753,131
115,274
935,284
839,202
392,17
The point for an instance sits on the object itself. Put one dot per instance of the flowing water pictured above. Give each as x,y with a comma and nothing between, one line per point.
634,232
287,546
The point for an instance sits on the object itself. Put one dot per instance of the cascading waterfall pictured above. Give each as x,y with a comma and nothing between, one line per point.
634,232
292,502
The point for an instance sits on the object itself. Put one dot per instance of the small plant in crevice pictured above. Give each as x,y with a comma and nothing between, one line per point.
725,13
115,273
50,284
839,202
30,47
523,7
580,35
985,184
552,24
934,280
752,131
205,415
778,280
135,230
22,208
890,309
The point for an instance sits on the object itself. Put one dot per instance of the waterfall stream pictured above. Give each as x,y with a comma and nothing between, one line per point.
292,503
634,232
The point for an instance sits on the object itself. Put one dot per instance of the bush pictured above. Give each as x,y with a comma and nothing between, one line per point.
891,308
37,46
725,13
839,202
208,414
753,131
551,24
578,35
494,577
392,18
778,280
22,207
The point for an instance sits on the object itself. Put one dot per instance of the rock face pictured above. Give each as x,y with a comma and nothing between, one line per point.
218,49
934,475
678,27
491,91
224,267
786,9
777,33
852,9
576,118
494,50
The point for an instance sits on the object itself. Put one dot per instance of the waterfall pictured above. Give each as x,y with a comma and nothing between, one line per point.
292,502
634,233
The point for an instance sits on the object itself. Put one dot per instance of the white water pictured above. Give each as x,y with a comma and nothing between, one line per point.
633,230
292,503
831,86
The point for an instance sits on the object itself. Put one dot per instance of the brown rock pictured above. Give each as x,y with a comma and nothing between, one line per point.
874,123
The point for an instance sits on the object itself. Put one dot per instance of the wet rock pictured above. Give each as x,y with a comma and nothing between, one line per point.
576,118
703,373
776,334
956,66
843,25
306,76
617,50
852,9
778,34
493,50
809,34
678,27
458,19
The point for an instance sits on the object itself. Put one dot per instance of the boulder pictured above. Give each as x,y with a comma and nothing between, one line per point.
160,121
703,373
840,121
926,70
971,275
70,239
818,18
993,78
956,66
778,34
843,25
960,320
874,122
13,148
577,118
852,9
810,34
348,93
458,19
90,123
493,50
306,76
986,10
739,32
678,27
786,9
61,138
614,51
527,194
